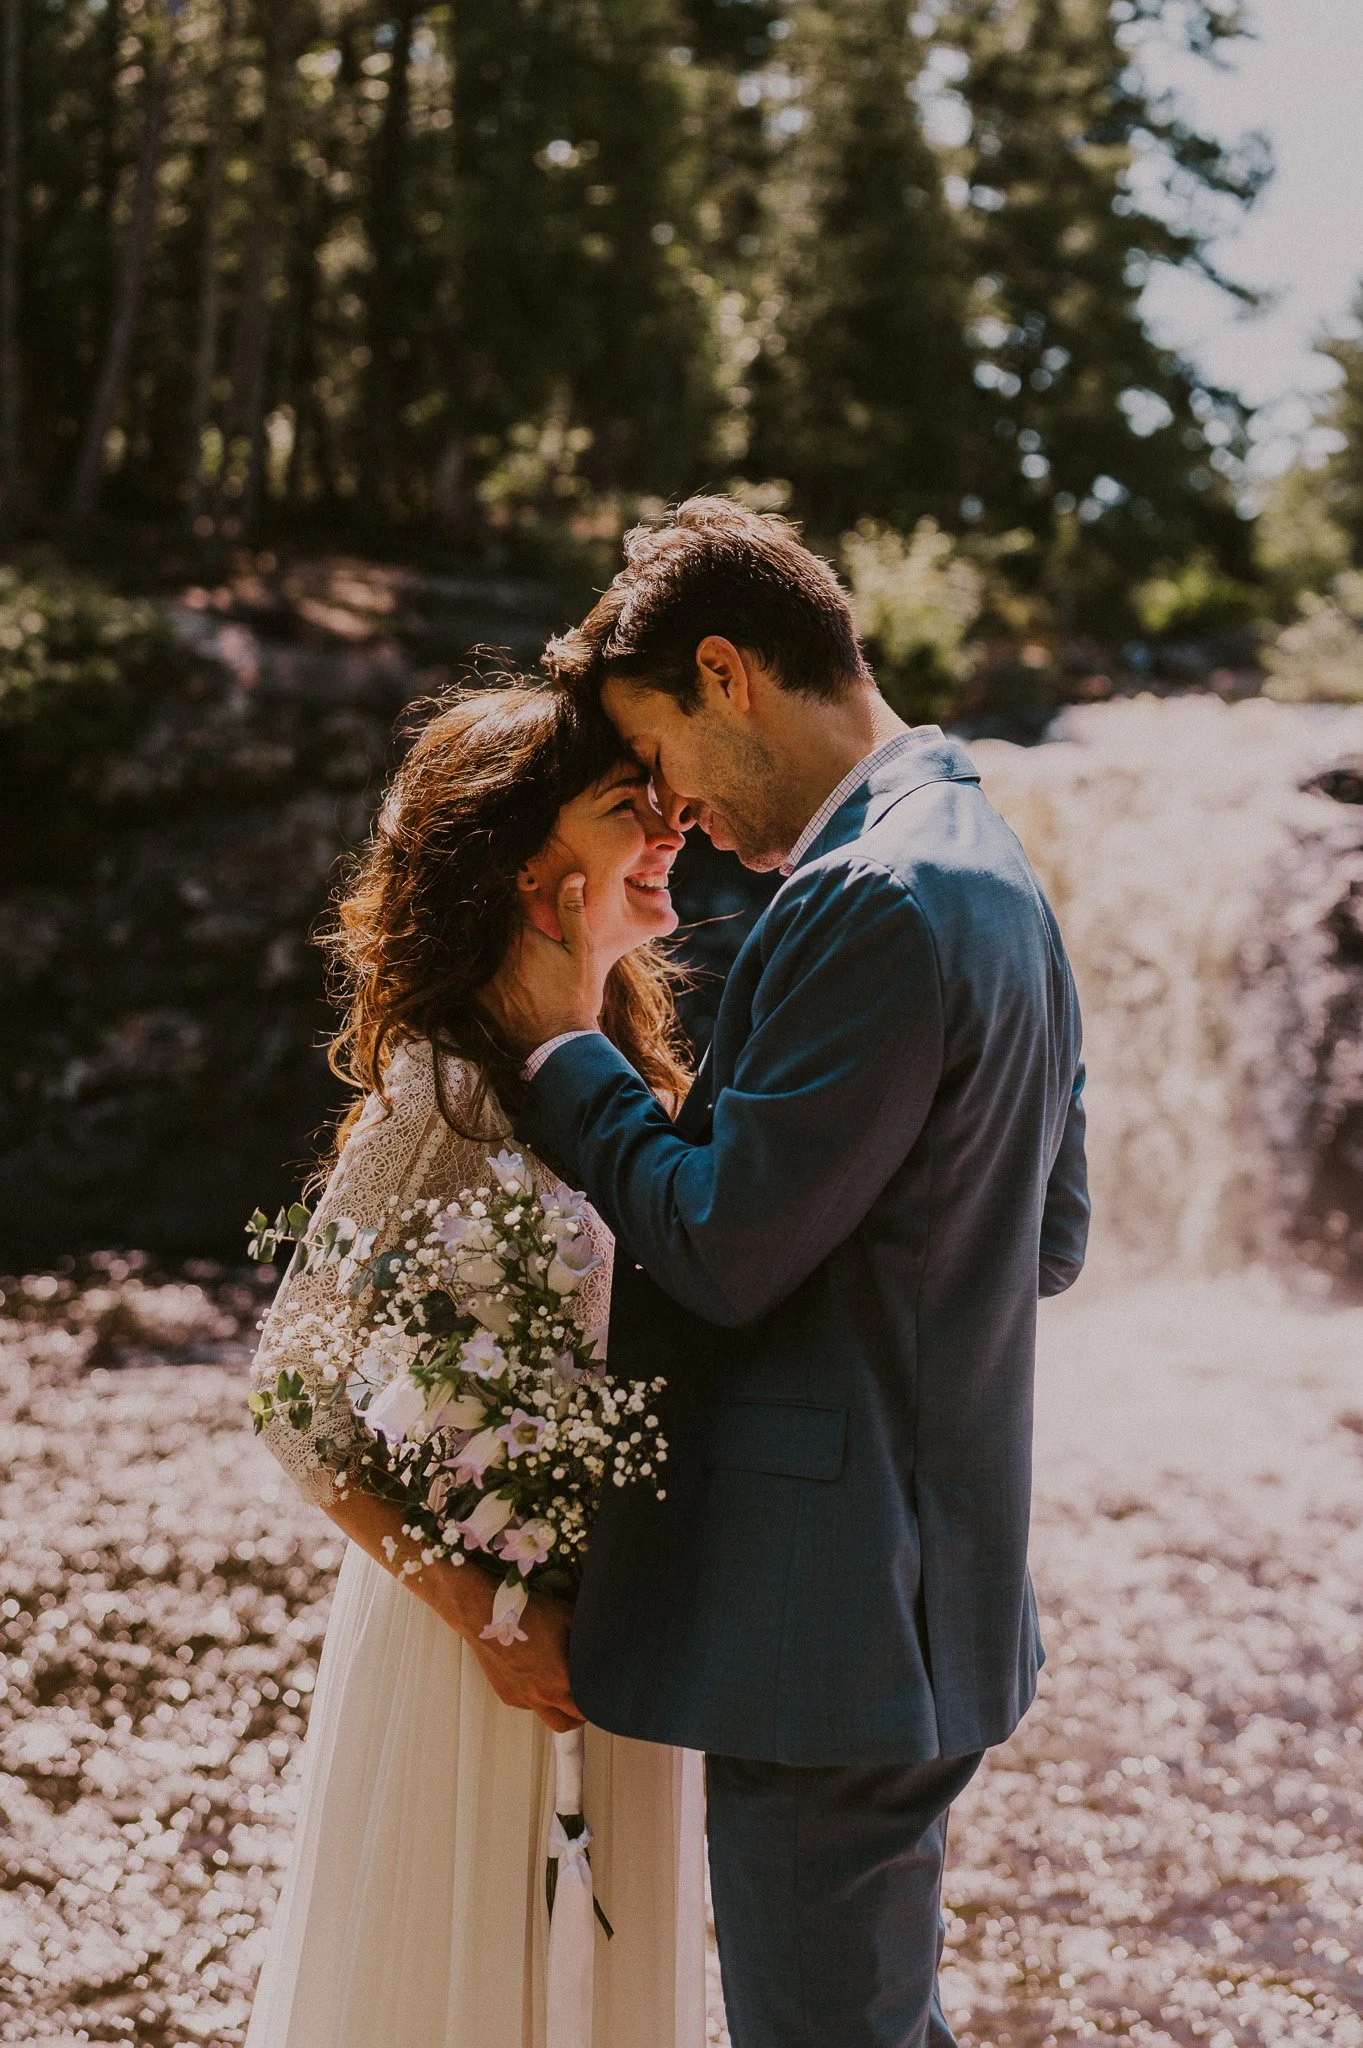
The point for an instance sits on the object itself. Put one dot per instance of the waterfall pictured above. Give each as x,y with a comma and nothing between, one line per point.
1210,905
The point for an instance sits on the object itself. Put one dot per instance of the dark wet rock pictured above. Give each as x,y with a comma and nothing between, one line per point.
161,1005
1343,782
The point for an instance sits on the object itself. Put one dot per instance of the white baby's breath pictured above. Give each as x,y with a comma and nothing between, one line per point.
484,1412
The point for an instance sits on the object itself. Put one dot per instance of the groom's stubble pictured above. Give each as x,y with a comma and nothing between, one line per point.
739,783
732,781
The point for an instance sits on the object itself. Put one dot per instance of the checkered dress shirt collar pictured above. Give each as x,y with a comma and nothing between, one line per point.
836,798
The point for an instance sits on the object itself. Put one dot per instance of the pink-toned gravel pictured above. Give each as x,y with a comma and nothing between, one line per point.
1170,1851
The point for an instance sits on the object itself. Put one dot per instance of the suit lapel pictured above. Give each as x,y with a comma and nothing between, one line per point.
887,786
938,760
694,1113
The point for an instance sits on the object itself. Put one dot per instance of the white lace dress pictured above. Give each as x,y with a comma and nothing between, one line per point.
413,1915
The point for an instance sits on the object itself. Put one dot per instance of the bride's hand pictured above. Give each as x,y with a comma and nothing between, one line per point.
534,1674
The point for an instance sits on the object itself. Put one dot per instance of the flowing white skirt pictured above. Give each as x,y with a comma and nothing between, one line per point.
414,1908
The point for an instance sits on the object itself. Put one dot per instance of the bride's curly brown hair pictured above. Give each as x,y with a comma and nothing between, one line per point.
430,907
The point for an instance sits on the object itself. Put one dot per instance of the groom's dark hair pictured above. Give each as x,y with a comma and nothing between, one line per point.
715,567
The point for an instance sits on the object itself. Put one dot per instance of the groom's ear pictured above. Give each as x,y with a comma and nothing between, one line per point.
722,673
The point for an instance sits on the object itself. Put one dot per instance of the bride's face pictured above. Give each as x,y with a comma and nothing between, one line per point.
615,835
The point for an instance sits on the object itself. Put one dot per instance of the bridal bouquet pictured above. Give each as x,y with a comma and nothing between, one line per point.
483,1411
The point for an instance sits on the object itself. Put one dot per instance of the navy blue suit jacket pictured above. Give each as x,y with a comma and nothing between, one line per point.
834,1256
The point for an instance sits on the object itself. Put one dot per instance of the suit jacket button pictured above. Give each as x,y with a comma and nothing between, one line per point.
638,1268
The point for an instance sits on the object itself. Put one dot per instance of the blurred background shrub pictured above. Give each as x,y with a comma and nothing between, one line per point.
78,666
1318,658
915,600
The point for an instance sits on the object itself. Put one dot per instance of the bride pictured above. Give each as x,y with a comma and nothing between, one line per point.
414,1910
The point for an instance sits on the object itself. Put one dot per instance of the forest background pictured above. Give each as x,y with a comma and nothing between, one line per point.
485,283
338,338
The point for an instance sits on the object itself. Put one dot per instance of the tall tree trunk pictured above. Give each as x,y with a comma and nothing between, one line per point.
10,229
210,288
107,152
251,345
84,495
300,376
387,208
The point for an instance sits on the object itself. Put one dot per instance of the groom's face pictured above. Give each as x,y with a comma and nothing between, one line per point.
708,769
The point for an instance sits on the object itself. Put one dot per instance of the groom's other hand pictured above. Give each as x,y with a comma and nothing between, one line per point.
546,988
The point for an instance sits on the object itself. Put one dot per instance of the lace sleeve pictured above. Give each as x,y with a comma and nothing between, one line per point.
393,1156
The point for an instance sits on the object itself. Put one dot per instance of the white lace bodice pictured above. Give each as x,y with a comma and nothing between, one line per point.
393,1157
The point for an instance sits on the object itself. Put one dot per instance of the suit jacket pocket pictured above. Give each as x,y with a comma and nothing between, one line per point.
790,1438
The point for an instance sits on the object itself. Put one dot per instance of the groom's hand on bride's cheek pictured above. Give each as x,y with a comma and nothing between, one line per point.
557,987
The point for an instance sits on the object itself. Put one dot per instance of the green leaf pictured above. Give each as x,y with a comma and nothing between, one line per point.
442,1317
336,1239
383,1274
260,1239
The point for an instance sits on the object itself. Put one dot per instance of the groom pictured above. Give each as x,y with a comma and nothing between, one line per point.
834,1257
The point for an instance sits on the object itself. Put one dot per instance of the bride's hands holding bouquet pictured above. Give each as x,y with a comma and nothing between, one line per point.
530,1672
487,1424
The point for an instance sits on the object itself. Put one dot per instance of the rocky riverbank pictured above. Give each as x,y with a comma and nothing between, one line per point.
1168,1853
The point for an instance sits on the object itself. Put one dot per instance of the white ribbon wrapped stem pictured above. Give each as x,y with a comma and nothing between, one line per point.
572,1926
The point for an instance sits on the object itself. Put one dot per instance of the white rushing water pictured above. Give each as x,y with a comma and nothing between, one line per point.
1192,877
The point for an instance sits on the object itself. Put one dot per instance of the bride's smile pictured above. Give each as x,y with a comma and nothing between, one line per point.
615,835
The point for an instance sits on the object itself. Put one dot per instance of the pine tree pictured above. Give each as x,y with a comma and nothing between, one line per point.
390,160
1105,446
157,66
243,473
476,262
863,394
216,148
578,300
724,52
1344,413
11,218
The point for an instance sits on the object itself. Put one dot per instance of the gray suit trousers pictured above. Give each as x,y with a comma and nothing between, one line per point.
826,1884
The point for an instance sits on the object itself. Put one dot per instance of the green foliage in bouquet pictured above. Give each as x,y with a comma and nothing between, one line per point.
288,1399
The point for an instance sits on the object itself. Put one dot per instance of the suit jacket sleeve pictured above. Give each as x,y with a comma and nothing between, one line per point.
1065,1219
828,1095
